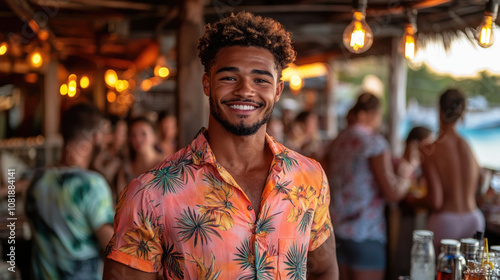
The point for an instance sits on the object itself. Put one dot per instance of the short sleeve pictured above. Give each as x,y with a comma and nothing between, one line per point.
321,227
99,203
137,240
375,145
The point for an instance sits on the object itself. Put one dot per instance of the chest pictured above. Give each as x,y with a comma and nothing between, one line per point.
252,184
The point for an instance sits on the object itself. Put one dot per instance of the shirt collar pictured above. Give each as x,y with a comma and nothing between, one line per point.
202,153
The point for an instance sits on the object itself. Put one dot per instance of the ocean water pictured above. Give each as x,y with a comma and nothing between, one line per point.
485,142
486,145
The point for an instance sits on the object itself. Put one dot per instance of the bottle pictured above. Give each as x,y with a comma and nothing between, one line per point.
469,248
451,263
423,258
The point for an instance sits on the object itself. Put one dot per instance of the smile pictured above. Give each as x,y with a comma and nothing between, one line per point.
242,107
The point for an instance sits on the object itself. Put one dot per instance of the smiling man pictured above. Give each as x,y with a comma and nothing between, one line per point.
234,204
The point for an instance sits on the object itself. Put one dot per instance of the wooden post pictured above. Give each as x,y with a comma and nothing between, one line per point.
99,88
51,110
397,111
397,97
191,102
331,113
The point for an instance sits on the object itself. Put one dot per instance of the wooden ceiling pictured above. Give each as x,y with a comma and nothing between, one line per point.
116,32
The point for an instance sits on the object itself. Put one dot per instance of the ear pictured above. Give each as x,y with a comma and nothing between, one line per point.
205,80
279,90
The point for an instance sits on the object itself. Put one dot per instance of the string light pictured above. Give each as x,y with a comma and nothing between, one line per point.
110,77
36,59
408,43
358,36
3,48
484,33
84,82
63,90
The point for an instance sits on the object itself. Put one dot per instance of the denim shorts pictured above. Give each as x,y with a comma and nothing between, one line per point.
365,255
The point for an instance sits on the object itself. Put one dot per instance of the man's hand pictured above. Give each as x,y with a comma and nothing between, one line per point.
322,262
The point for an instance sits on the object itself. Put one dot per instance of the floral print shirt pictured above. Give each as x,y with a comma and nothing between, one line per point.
358,206
190,217
66,206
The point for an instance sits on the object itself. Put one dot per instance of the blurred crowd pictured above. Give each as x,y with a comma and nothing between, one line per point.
363,175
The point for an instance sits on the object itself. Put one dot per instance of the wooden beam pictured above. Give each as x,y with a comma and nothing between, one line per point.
191,102
397,97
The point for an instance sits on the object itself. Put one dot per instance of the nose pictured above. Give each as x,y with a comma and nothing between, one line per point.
245,88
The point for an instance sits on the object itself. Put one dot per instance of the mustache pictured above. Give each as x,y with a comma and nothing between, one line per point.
259,104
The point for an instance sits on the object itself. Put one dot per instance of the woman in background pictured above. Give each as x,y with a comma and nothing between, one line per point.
167,124
363,180
143,153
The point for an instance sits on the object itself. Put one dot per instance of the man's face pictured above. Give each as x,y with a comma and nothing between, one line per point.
243,87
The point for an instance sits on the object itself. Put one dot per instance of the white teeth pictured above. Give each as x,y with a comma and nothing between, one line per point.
242,107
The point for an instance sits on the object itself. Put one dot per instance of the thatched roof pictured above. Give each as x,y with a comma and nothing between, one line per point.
116,32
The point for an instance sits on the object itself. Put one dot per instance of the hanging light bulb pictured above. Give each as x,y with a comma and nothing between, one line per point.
296,82
84,82
3,48
358,36
484,33
408,43
110,77
36,59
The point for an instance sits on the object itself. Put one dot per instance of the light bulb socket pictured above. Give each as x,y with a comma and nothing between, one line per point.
360,5
491,8
411,20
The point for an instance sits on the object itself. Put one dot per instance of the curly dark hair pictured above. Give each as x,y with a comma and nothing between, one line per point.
246,29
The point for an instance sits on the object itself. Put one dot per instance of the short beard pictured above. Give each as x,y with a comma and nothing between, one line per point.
239,129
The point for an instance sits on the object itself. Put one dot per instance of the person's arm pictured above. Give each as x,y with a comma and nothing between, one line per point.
394,186
116,271
322,262
103,235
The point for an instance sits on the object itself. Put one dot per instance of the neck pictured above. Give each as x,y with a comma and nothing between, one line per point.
77,154
447,128
242,152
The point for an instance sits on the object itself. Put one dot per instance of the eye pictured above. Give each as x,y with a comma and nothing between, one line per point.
262,81
227,79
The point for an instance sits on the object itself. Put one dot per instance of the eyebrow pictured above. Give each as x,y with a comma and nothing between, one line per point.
235,69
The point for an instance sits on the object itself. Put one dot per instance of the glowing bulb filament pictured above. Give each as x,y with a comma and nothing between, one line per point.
358,36
485,37
36,59
410,47
3,48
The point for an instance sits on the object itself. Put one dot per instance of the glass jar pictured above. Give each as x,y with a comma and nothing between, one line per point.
451,263
423,258
469,248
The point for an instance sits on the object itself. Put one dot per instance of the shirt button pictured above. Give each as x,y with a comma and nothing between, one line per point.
250,208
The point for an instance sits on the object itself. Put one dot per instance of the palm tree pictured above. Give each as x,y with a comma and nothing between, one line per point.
193,224
285,161
296,262
306,219
265,225
281,187
174,262
258,264
169,179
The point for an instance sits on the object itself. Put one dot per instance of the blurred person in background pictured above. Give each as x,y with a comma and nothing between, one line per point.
363,180
167,124
112,154
70,207
305,137
414,204
452,172
275,129
143,153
